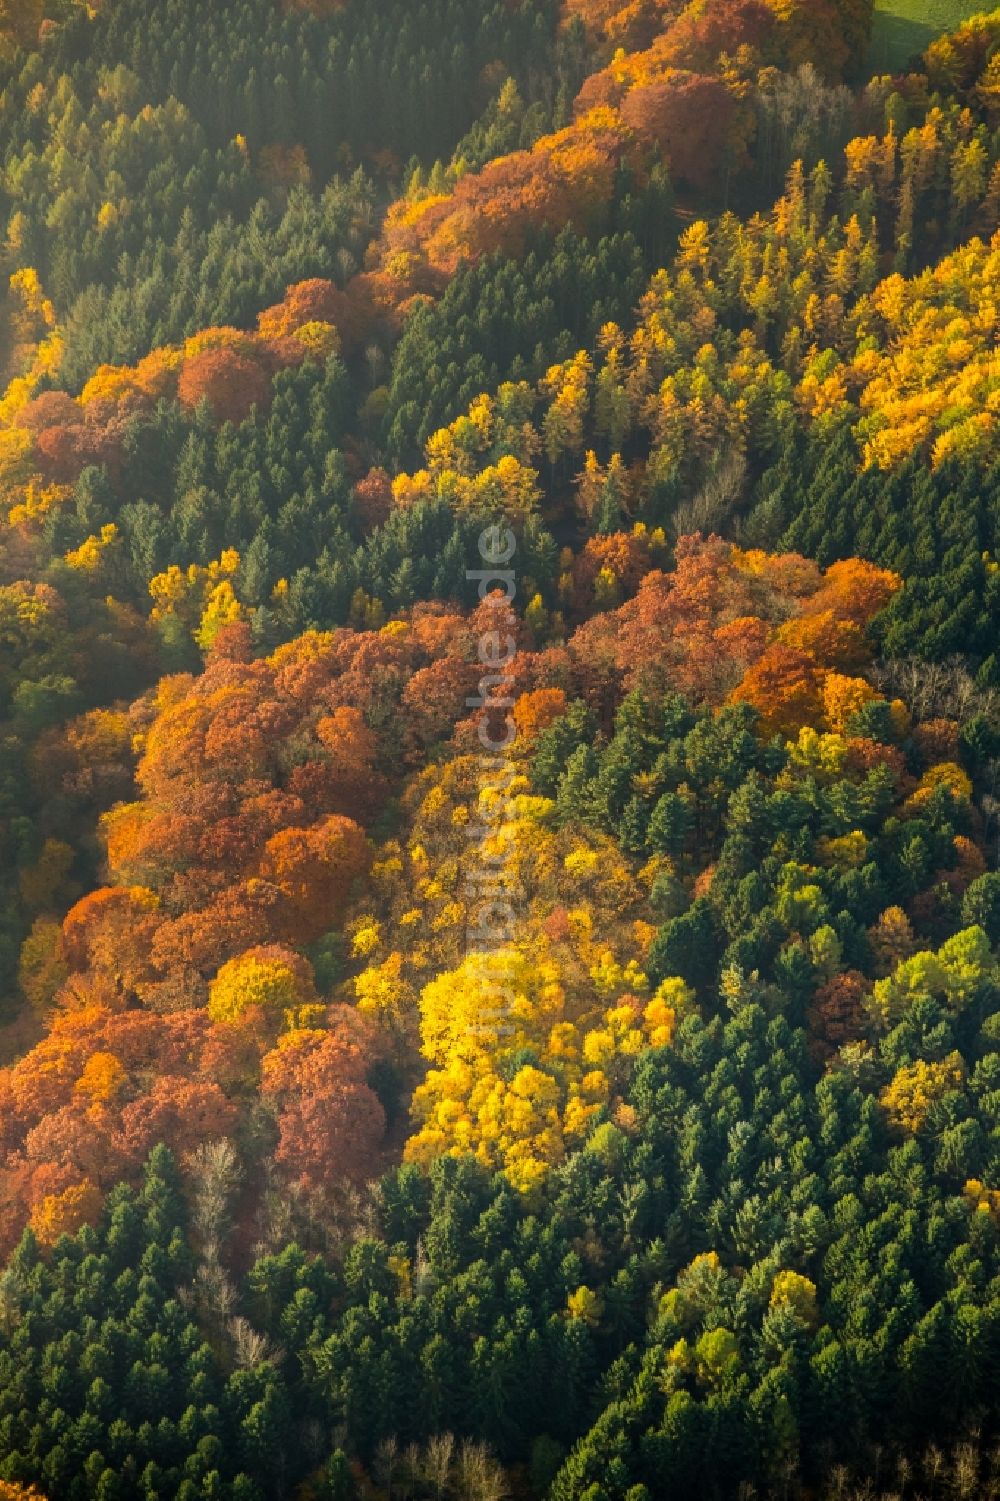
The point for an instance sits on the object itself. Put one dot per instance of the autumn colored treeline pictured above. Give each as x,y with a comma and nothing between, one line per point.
300,299
735,853
233,860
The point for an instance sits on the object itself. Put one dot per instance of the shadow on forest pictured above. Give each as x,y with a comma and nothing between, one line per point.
896,41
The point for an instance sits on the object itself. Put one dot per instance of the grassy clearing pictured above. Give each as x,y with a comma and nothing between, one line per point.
904,27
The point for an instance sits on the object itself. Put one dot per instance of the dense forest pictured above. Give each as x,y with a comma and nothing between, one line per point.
499,752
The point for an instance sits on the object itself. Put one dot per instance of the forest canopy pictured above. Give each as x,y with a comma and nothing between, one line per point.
499,752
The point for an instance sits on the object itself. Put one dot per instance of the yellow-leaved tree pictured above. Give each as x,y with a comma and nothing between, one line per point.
271,980
916,1087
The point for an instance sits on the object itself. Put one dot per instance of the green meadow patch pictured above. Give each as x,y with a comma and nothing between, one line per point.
903,28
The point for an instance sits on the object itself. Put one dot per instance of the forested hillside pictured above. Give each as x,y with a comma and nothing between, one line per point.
499,752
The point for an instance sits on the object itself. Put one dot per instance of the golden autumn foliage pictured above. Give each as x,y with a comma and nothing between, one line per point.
318,313
95,551
784,687
982,1199
200,596
535,711
585,1305
569,993
482,461
914,1089
37,354
928,388
227,859
842,697
64,1213
727,352
102,1080
564,179
675,88
713,364
798,1294
276,980
500,1038
946,776
233,853
714,628
36,501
